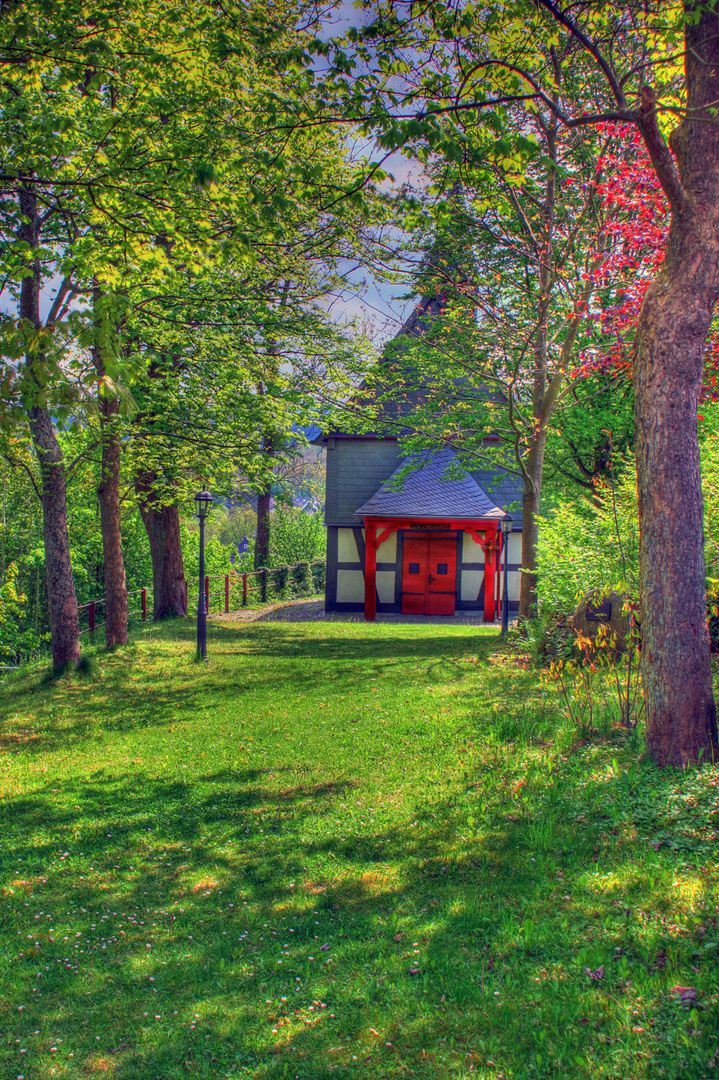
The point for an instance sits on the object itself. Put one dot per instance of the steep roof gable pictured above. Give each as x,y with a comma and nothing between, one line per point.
426,494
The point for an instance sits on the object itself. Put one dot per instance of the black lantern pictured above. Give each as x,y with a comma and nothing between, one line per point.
506,527
203,502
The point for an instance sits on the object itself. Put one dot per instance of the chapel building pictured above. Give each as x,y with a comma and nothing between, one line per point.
428,545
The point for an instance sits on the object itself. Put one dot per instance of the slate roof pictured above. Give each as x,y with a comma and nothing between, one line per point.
424,493
506,490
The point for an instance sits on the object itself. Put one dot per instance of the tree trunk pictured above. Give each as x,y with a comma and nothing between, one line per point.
62,600
676,669
108,494
668,370
262,539
530,526
162,524
542,406
530,541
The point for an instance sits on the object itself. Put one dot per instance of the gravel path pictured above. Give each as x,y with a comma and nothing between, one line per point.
314,611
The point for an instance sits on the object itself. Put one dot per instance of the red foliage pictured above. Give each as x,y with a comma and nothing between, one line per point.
635,224
636,220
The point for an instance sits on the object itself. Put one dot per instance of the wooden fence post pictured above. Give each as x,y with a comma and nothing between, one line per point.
244,590
144,603
227,593
91,615
207,595
264,585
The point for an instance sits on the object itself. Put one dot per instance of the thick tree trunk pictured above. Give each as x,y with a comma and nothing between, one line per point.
62,600
668,369
162,524
676,670
108,494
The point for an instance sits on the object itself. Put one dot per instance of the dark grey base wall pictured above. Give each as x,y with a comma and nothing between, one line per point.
396,609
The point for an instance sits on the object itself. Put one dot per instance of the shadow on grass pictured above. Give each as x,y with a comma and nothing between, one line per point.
187,890
366,970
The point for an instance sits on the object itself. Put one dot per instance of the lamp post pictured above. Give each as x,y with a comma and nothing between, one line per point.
203,502
506,527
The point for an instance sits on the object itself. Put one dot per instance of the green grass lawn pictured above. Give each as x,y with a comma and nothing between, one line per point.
343,849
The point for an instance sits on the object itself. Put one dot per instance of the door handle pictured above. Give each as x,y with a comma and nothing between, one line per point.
431,578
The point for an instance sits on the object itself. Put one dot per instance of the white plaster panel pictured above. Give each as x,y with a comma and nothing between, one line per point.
515,547
387,551
471,583
471,550
350,587
514,578
385,586
346,546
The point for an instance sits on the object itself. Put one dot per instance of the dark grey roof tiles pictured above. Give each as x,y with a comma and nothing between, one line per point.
506,490
425,493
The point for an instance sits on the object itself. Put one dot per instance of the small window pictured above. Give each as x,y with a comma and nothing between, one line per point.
441,567
414,568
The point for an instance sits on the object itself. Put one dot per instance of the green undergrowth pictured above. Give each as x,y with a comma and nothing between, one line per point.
343,849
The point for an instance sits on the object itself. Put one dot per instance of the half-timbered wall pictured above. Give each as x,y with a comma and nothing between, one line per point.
345,571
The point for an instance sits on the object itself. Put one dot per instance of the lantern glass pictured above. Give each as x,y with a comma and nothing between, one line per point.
506,525
203,502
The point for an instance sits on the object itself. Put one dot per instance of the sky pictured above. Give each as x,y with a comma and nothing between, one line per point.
373,302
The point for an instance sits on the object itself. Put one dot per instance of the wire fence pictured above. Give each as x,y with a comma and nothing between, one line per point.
237,591
96,608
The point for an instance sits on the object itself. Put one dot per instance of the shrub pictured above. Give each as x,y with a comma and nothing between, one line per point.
301,579
217,556
296,536
600,686
548,637
318,570
585,546
15,644
277,584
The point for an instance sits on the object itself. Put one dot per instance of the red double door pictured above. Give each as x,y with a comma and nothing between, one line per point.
429,575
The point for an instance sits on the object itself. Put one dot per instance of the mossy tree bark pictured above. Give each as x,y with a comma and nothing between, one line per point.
62,599
162,524
668,372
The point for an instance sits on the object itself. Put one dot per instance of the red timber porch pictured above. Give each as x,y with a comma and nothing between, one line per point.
439,532
430,561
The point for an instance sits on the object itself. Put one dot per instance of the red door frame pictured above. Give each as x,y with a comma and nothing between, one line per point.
378,529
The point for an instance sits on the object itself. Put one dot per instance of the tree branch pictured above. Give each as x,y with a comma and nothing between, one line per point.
662,158
28,470
591,49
